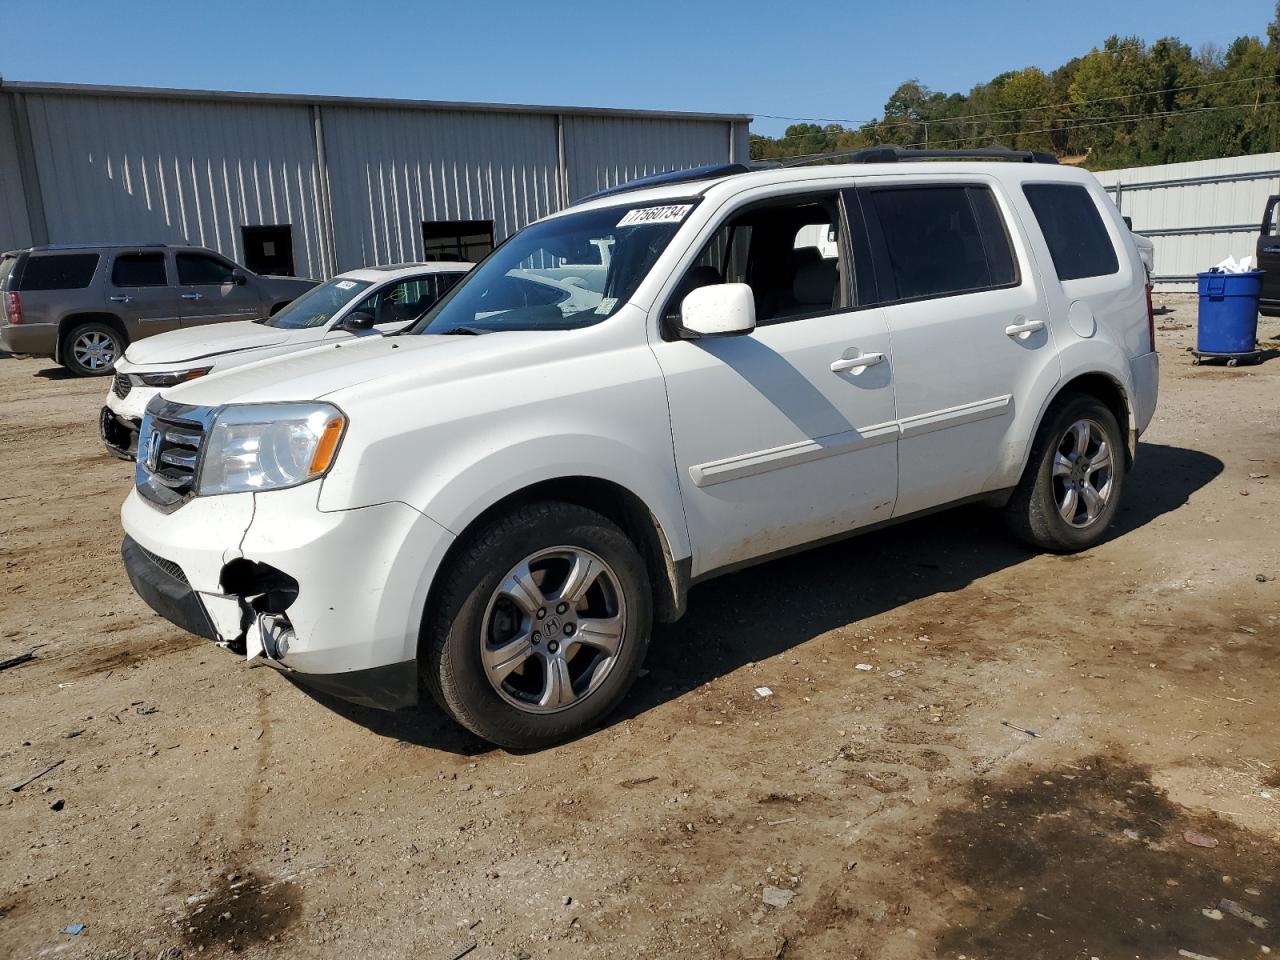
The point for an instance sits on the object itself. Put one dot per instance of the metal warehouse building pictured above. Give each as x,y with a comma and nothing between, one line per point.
312,186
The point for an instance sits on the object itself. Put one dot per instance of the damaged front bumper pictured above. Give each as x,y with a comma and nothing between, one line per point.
333,598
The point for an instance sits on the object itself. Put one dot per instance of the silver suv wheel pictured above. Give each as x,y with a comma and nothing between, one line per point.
1082,473
94,350
552,629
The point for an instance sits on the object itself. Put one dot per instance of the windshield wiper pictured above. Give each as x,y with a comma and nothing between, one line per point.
465,332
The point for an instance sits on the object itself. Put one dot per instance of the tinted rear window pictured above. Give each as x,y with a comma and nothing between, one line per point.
1073,230
941,241
68,271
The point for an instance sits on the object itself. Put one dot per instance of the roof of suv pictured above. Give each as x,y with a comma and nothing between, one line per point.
736,182
64,247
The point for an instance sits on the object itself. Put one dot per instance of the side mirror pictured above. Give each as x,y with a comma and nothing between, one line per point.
1128,222
720,310
238,278
359,320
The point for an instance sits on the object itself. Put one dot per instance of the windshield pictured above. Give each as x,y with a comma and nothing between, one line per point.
317,306
559,274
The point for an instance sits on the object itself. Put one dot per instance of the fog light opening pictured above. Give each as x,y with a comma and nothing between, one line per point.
277,635
264,594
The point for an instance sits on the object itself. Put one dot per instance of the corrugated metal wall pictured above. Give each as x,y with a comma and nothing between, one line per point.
15,231
354,179
1179,216
389,170
119,169
605,151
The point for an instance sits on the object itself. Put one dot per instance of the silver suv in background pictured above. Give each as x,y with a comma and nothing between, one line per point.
83,304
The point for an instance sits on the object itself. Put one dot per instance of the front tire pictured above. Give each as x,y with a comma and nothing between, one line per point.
539,627
1070,490
91,349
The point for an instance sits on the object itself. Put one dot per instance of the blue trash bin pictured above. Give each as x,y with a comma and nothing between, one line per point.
1228,324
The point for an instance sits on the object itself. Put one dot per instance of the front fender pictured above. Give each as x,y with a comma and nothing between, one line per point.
480,477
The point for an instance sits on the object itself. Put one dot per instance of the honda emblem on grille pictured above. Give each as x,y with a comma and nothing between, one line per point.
153,451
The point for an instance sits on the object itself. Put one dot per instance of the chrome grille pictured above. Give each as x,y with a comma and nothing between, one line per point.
172,457
121,385
169,448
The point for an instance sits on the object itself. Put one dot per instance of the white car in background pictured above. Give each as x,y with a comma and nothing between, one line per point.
369,301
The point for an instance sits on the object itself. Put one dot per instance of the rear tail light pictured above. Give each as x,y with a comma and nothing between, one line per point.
13,307
1151,320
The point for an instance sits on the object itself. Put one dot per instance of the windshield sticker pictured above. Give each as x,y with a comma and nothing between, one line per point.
345,284
605,306
646,215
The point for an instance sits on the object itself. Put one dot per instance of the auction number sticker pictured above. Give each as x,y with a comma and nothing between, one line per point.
673,213
345,284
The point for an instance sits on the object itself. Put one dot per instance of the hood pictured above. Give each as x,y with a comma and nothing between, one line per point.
330,369
210,340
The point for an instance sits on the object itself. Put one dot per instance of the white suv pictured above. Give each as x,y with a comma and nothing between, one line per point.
495,504
357,303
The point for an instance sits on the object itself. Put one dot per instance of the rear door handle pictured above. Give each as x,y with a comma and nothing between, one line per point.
193,296
1023,329
857,363
120,299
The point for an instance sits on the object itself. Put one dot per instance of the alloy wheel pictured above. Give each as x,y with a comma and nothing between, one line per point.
1083,473
553,629
94,350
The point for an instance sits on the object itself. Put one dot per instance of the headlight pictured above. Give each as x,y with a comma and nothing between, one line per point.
171,378
268,446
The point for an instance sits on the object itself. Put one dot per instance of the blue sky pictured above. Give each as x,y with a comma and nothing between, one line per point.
829,60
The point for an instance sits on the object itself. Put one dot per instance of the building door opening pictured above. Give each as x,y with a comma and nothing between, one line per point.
454,240
269,249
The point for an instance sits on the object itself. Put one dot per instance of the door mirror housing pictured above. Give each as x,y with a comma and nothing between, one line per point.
356,321
720,310
238,278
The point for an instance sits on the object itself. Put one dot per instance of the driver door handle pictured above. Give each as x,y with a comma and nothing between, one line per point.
193,296
121,298
1018,329
857,363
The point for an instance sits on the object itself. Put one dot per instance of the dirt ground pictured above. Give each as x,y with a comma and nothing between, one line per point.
206,807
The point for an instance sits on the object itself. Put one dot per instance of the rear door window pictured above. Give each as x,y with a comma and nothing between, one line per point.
139,270
1073,230
200,269
938,241
65,271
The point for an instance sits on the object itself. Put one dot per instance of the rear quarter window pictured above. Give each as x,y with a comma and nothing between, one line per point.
58,271
1073,230
7,264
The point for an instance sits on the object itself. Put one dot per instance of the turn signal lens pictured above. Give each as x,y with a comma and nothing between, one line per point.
328,445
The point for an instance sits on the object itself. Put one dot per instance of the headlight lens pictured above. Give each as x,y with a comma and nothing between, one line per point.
269,446
171,378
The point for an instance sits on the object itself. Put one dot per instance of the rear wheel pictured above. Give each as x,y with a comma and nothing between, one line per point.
539,627
91,349
1070,490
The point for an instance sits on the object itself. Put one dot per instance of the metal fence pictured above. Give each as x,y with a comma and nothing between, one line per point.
1196,213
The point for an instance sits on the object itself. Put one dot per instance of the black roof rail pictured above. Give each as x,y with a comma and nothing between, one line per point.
58,247
897,154
711,171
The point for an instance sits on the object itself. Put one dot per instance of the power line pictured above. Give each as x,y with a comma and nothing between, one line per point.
1044,106
1066,124
1085,126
